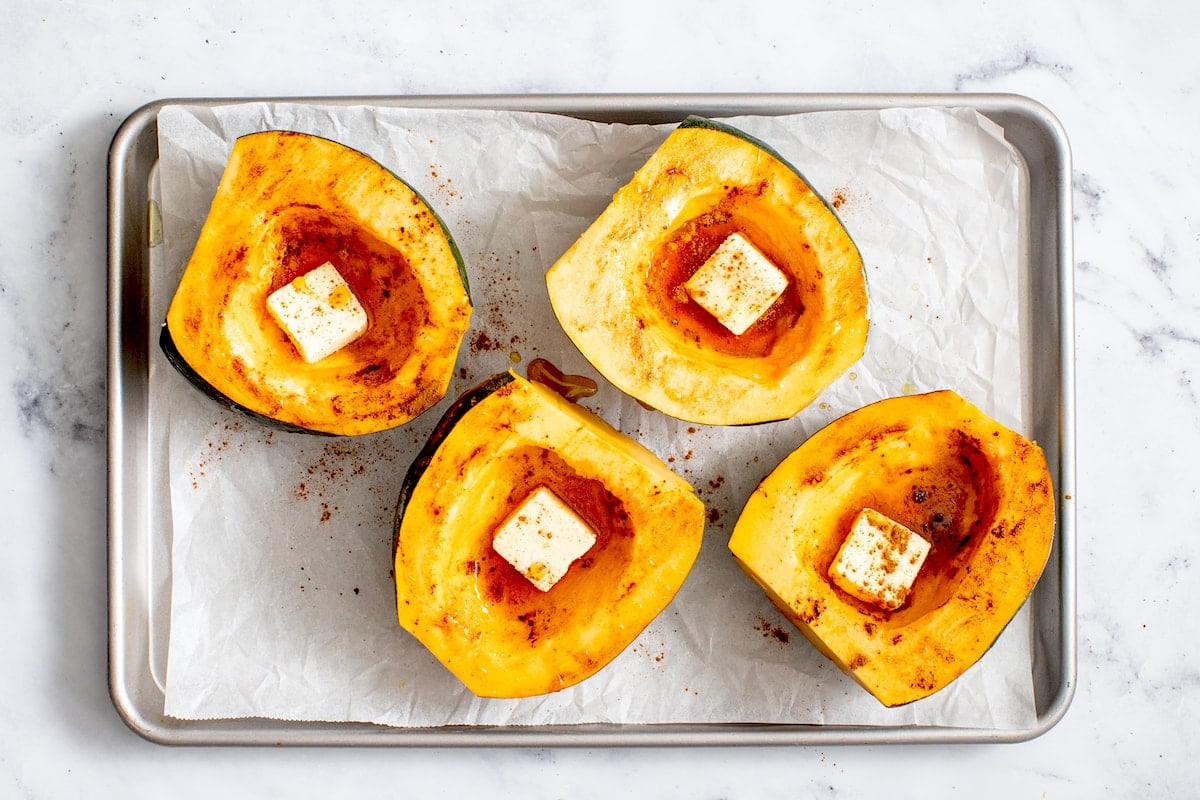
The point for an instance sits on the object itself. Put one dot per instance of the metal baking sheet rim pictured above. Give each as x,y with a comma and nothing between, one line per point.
1029,126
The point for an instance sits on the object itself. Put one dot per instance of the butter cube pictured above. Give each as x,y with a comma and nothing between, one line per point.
879,561
737,284
542,538
319,312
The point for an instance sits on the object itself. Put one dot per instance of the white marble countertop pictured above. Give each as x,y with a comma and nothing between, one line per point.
1123,85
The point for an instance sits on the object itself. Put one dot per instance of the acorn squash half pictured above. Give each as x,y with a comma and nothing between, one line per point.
494,630
978,491
619,292
287,203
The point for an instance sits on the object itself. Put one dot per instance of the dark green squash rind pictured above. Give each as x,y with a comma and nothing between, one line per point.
177,360
694,121
167,344
465,402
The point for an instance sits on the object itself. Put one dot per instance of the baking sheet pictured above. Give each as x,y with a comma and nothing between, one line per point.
1044,324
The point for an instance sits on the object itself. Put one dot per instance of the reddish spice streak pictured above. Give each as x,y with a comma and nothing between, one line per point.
946,497
378,274
685,251
772,631
811,611
587,585
482,343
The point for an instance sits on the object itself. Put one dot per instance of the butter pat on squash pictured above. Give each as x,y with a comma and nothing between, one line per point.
737,284
476,610
318,312
287,204
879,560
979,492
542,538
749,334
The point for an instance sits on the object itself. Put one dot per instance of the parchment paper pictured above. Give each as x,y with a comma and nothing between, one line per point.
282,603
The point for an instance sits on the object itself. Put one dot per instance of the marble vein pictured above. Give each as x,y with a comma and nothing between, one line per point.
1120,76
1022,60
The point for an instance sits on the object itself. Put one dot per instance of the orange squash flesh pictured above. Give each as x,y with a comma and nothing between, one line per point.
490,626
618,290
287,203
980,492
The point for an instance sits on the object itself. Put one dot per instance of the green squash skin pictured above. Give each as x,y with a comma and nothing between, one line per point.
694,121
465,402
167,344
707,134
489,627
179,363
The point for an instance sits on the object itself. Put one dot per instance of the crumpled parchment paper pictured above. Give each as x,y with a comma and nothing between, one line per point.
281,596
